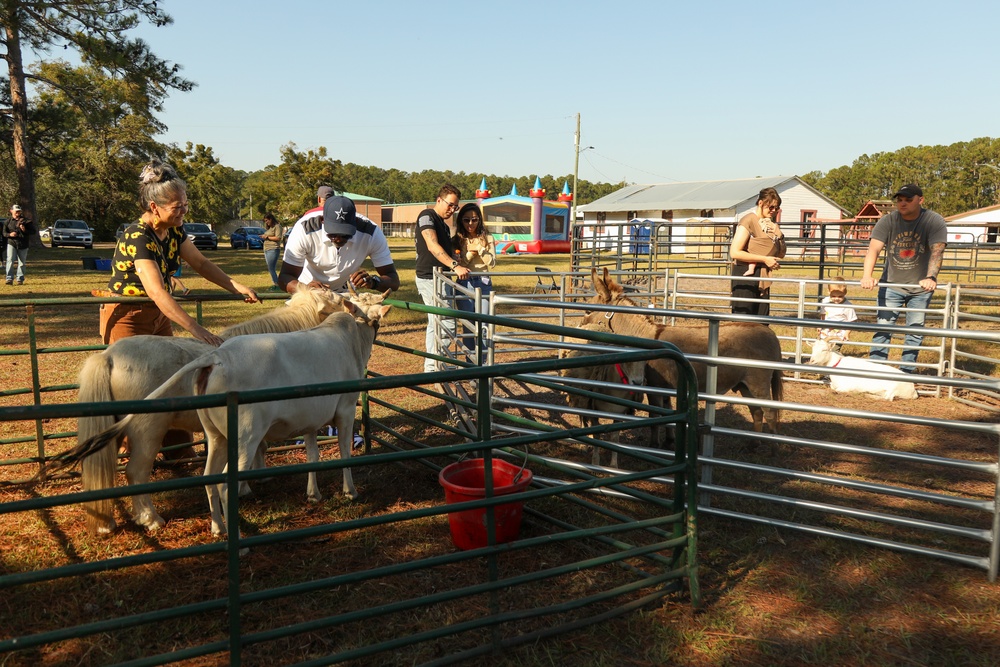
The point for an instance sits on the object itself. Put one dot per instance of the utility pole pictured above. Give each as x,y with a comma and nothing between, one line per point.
576,168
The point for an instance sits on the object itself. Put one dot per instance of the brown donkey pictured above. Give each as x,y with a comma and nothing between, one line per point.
736,339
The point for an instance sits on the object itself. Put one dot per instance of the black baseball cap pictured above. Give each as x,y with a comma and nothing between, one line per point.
910,190
339,216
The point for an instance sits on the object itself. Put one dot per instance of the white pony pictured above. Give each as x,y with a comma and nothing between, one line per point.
338,349
133,367
823,355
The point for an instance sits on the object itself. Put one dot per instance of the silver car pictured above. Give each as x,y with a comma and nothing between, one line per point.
72,232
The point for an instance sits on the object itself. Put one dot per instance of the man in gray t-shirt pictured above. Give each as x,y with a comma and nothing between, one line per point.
914,239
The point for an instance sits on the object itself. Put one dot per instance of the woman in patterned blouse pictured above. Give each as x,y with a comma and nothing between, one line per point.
148,253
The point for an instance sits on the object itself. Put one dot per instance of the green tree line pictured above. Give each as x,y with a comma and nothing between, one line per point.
960,177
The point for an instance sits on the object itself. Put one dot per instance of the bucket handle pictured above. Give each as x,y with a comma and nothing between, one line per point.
520,472
517,477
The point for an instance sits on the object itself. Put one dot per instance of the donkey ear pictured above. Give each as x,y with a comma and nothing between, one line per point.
600,286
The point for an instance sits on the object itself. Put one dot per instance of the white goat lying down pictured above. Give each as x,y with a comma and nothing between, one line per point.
338,349
627,374
823,355
133,367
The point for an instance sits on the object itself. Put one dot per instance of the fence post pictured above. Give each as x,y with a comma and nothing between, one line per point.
36,386
711,376
232,507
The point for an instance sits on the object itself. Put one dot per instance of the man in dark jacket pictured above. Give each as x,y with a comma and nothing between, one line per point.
17,233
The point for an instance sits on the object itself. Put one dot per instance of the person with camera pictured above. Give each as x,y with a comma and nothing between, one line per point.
17,233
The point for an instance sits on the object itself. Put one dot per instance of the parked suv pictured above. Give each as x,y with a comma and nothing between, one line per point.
201,235
72,232
247,237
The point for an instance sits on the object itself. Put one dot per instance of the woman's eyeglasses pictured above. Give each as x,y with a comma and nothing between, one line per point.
467,220
774,208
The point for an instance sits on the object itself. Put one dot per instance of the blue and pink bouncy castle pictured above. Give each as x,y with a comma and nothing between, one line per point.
529,224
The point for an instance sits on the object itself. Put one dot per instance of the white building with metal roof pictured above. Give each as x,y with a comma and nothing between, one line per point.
980,226
710,209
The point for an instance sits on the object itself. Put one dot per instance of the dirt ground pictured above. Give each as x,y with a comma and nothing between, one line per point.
771,596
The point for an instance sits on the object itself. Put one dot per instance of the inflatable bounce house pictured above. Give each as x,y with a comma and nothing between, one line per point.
527,224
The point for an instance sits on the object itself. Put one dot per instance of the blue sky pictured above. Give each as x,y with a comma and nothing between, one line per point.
667,91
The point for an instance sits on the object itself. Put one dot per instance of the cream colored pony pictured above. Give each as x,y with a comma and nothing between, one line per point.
305,358
132,368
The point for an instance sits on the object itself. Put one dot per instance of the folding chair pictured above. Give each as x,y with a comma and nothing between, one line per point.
548,284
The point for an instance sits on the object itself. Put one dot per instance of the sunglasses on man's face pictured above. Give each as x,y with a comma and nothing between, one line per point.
902,199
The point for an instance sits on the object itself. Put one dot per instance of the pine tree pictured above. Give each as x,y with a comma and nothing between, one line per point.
99,32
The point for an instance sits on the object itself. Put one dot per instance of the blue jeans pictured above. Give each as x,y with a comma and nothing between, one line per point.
425,288
890,302
22,258
271,257
485,286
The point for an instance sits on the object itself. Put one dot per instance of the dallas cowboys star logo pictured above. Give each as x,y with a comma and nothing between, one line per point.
341,214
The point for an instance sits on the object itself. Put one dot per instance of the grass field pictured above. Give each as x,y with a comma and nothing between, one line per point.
771,597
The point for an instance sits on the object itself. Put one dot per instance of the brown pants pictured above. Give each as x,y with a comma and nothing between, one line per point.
122,320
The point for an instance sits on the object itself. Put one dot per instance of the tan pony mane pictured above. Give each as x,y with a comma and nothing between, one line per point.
306,309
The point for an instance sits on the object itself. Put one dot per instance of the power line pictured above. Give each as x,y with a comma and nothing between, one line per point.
634,168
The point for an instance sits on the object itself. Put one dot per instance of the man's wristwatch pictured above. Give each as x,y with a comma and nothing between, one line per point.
454,263
374,281
934,278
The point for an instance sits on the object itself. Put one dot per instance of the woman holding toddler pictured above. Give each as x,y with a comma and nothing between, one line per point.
757,244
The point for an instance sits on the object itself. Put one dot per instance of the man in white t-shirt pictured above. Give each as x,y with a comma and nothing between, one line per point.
327,249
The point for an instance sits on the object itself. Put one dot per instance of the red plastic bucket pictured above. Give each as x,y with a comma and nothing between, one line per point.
466,480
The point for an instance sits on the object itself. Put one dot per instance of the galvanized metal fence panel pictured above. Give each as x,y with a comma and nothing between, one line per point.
732,475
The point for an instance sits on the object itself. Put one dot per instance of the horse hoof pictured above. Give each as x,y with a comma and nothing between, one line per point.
151,522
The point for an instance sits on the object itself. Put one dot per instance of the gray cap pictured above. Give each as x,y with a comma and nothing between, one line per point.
324,192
